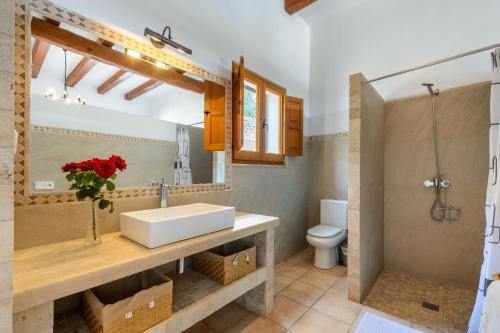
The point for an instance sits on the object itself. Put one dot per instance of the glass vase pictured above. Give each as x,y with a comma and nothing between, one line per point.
93,235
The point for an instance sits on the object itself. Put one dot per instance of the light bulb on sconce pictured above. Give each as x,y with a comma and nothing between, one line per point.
160,64
132,53
152,61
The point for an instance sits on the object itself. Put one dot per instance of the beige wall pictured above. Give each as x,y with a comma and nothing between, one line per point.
275,191
328,165
414,243
6,161
366,187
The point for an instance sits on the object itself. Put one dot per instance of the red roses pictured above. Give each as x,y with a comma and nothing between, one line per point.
103,168
119,162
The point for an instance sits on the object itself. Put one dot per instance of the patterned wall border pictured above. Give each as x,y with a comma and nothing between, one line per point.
315,138
65,131
24,8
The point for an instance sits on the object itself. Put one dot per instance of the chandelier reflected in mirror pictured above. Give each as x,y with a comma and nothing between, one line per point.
52,95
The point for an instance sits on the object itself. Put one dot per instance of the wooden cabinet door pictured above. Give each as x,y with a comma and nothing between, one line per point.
294,126
215,111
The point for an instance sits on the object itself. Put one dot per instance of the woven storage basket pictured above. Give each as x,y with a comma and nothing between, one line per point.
226,263
129,305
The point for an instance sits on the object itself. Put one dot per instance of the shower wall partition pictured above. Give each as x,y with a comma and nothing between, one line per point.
425,262
449,252
365,187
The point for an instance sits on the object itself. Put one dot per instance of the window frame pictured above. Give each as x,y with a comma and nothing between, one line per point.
260,156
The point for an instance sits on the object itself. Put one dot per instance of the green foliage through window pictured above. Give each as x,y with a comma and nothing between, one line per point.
249,103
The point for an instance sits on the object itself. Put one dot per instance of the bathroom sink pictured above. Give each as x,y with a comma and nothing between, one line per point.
162,226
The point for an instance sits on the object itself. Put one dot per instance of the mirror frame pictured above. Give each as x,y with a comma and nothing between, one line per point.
22,99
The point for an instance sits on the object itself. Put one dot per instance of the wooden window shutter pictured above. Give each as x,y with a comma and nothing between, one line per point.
215,111
294,126
238,83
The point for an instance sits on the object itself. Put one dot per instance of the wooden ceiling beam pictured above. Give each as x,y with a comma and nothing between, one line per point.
93,50
117,78
142,89
293,6
84,66
39,53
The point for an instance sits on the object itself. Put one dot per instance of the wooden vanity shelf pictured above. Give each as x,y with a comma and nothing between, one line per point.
50,272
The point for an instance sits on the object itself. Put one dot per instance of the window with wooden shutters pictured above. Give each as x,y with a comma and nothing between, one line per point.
259,124
264,131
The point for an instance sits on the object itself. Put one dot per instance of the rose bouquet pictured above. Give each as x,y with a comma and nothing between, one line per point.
88,178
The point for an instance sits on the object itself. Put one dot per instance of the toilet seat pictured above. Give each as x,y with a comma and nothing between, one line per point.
324,231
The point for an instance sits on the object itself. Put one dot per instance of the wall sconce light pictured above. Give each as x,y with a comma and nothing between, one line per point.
160,41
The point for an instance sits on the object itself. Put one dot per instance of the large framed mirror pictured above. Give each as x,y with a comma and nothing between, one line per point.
85,90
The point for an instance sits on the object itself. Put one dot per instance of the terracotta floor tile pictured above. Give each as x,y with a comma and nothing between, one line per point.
228,317
308,251
200,327
338,306
340,286
290,270
338,270
281,282
316,322
286,312
302,261
319,280
255,325
302,292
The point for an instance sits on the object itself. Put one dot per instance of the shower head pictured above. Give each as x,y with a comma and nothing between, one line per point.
431,91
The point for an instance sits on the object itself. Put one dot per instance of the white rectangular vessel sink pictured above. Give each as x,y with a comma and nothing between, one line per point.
162,226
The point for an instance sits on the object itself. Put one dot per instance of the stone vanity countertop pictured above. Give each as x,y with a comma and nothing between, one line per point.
49,272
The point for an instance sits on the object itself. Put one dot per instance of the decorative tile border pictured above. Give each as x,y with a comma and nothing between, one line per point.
22,195
65,131
324,137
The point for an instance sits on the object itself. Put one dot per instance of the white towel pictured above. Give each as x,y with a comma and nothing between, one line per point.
490,321
372,323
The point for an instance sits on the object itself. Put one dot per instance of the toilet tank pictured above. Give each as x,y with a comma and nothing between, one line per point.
334,212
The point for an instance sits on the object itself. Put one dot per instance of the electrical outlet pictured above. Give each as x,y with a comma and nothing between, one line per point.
45,185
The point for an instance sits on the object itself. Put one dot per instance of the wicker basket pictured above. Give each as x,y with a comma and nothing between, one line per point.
129,305
226,263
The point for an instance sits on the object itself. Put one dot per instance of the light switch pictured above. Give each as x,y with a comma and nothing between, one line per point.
45,185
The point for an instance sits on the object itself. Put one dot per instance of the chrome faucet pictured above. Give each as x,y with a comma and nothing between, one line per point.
164,188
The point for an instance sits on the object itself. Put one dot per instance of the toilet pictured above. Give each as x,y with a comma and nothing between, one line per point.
328,235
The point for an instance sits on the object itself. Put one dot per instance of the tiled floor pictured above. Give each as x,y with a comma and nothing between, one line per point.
307,300
402,295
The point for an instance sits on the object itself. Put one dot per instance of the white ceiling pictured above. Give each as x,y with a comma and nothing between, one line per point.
323,9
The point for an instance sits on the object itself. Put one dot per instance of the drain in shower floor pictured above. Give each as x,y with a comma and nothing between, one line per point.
430,306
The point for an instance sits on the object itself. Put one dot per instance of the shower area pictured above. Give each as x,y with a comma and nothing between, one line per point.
419,169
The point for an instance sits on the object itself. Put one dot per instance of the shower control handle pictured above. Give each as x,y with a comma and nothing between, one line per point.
445,183
430,182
